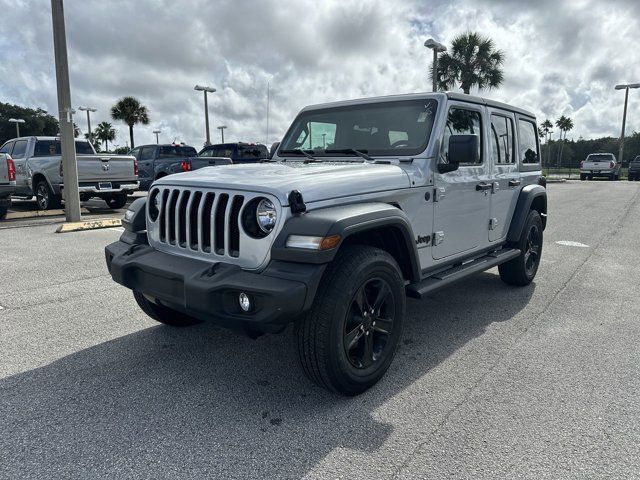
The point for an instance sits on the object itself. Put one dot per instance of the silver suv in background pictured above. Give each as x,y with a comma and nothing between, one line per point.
600,165
39,172
364,203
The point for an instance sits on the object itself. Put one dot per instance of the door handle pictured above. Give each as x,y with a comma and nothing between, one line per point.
483,186
514,183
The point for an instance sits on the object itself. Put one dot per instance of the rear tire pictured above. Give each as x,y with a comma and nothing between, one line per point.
522,270
163,314
349,338
583,177
116,202
45,198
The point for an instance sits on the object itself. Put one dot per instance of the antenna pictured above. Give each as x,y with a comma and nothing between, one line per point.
266,139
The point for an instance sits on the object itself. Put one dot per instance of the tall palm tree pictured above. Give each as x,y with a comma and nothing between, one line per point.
564,124
545,129
106,133
472,61
131,112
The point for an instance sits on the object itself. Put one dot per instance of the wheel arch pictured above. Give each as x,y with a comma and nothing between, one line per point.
532,197
375,224
36,177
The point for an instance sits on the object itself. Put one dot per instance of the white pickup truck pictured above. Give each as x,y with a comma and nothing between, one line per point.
600,165
39,172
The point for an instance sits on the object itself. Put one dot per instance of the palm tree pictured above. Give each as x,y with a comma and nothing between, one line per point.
473,61
94,141
130,111
106,133
564,124
545,129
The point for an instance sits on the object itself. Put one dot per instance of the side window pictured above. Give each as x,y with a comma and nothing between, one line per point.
461,122
147,153
6,148
502,147
19,149
529,152
207,153
135,152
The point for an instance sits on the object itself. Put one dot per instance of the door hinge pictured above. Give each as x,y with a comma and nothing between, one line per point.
438,238
493,223
439,194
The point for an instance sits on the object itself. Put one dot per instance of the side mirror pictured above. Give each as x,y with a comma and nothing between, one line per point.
273,149
462,149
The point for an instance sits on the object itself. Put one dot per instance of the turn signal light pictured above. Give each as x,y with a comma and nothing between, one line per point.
185,165
313,243
11,170
135,167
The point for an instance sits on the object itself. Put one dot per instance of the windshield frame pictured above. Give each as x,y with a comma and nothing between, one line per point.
387,153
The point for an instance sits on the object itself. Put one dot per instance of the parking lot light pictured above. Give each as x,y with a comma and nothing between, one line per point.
206,90
626,88
88,110
437,48
157,132
17,121
221,128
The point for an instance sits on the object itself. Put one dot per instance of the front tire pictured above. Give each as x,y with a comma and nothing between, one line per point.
583,177
349,338
522,270
116,202
45,198
163,314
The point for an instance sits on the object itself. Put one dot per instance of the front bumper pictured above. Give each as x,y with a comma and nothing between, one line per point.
209,291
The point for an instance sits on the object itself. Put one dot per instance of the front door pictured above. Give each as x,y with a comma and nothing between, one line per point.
506,177
462,197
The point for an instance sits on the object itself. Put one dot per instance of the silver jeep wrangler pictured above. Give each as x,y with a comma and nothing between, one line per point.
364,202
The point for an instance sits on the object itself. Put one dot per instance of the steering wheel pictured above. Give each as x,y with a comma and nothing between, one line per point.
400,143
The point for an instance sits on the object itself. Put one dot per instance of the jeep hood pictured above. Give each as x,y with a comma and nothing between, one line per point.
316,181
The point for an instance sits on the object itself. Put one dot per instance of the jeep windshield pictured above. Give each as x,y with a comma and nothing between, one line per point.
395,128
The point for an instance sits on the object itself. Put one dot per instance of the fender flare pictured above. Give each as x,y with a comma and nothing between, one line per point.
345,220
528,195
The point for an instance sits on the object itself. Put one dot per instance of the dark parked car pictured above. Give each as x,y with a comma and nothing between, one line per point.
237,152
634,169
157,161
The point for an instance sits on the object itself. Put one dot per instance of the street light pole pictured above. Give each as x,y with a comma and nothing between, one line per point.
157,132
221,128
201,88
437,48
88,110
65,112
626,88
17,121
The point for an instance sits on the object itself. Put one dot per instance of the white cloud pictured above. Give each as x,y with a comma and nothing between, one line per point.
561,57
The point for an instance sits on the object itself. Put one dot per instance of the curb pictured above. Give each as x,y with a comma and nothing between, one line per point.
38,213
90,225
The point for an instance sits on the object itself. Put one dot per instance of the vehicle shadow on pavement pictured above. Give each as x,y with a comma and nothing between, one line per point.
204,402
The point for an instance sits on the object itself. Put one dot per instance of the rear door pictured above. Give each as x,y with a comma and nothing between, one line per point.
505,185
462,197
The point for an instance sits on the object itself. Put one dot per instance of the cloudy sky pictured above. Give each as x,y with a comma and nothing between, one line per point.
562,57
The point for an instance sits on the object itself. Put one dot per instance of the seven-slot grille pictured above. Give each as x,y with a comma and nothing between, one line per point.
197,220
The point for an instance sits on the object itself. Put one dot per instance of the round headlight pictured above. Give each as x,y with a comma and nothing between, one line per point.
266,215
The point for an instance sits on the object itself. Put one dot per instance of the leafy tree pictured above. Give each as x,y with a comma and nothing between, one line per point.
545,132
131,112
472,61
105,133
36,122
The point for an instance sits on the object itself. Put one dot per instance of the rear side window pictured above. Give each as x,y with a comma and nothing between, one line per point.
135,152
19,149
147,153
6,148
528,142
461,121
502,147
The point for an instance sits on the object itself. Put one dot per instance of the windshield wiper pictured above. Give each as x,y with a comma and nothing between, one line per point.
299,151
352,151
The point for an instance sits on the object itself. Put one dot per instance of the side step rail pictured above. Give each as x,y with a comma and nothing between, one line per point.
453,274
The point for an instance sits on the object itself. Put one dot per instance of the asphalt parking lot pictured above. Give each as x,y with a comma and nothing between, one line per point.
490,381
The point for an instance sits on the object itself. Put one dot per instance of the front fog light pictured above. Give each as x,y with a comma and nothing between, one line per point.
244,301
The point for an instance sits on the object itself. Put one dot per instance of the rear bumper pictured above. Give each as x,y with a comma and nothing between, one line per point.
209,291
94,189
607,171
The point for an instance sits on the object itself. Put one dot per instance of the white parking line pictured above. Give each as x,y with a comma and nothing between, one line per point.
570,243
